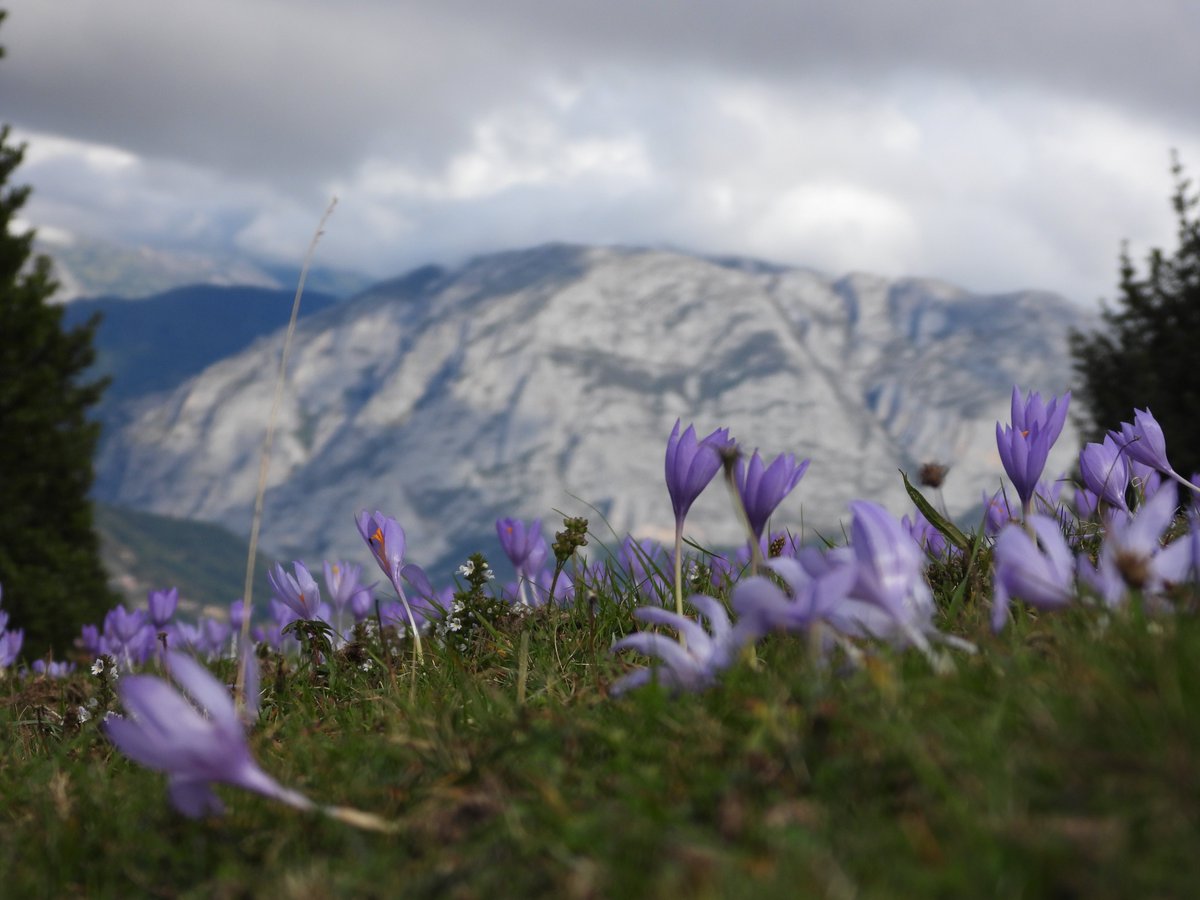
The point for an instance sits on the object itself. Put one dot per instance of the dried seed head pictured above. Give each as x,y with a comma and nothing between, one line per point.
932,474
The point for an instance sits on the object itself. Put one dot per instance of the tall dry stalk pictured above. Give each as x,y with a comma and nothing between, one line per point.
264,461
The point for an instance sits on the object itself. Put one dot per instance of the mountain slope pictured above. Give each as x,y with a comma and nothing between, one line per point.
144,552
156,343
524,380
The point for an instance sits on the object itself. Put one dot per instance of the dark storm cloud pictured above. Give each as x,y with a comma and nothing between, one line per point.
280,87
999,144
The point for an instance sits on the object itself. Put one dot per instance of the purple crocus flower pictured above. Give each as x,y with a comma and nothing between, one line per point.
281,613
185,636
52,668
689,467
1025,444
891,564
1144,442
524,546
90,641
343,581
216,634
643,561
762,488
1105,471
1133,555
347,592
997,511
10,646
161,606
385,537
691,464
1146,480
128,635
10,641
1087,503
814,590
891,598
300,593
195,737
428,603
932,541
1043,577
693,665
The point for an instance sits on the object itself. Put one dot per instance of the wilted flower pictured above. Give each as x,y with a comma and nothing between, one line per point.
195,737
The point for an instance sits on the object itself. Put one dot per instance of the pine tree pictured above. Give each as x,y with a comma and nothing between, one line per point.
50,568
1145,356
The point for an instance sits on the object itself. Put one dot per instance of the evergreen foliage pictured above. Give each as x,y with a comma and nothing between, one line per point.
50,568
1144,356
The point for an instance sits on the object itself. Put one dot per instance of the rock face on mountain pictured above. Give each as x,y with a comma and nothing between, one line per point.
541,380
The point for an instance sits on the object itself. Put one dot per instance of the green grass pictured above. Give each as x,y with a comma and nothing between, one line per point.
1059,761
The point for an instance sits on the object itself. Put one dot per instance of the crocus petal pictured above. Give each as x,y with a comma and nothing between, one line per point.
667,649
194,797
635,679
715,614
199,684
692,631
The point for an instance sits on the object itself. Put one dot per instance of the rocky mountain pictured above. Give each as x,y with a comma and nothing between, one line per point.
548,379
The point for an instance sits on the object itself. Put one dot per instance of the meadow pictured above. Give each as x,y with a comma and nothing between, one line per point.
913,711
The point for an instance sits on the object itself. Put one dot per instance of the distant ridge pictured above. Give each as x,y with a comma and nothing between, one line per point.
510,384
88,267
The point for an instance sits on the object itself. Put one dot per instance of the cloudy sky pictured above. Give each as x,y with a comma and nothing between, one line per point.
999,145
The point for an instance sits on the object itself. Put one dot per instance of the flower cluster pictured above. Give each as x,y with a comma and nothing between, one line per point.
1123,542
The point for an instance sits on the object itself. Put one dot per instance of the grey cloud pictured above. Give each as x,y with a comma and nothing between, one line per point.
282,88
